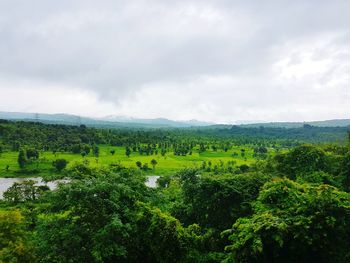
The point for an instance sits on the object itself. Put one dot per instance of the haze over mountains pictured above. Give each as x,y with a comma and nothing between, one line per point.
108,121
124,121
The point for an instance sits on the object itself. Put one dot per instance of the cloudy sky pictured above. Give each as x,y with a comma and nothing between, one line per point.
219,60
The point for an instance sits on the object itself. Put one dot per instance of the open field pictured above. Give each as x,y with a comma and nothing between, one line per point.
166,165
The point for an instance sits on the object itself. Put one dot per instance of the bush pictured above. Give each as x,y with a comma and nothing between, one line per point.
302,160
60,164
294,223
14,240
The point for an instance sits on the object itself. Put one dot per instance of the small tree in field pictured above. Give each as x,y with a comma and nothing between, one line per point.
22,158
163,152
154,163
127,151
32,154
139,164
112,152
60,164
96,151
145,167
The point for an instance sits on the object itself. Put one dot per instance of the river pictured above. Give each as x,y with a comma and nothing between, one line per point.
152,181
5,183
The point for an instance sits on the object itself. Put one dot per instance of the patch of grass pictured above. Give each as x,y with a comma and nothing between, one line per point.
168,164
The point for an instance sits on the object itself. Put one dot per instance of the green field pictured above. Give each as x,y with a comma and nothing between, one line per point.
166,165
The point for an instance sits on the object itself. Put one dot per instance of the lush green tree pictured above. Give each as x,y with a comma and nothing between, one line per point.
127,151
154,163
14,239
86,149
139,164
112,151
202,148
25,191
76,148
145,167
159,237
90,220
318,178
215,201
345,172
82,170
32,154
22,158
163,151
294,223
96,151
60,164
13,194
301,160
244,168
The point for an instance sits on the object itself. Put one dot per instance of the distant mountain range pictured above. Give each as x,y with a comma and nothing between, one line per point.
128,122
157,121
108,122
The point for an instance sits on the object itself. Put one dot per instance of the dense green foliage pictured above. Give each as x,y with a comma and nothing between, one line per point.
14,238
286,205
294,223
89,220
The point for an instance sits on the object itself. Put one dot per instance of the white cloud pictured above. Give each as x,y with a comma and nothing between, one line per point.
219,61
37,96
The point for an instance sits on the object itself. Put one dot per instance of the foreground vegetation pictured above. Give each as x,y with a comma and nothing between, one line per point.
273,203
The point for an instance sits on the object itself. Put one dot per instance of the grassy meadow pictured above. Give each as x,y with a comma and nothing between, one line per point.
167,164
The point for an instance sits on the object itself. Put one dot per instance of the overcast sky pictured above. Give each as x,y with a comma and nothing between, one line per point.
218,61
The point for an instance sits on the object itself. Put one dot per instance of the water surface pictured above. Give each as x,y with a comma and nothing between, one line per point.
6,183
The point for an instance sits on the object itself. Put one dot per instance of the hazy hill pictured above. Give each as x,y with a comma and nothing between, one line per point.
126,122
109,121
